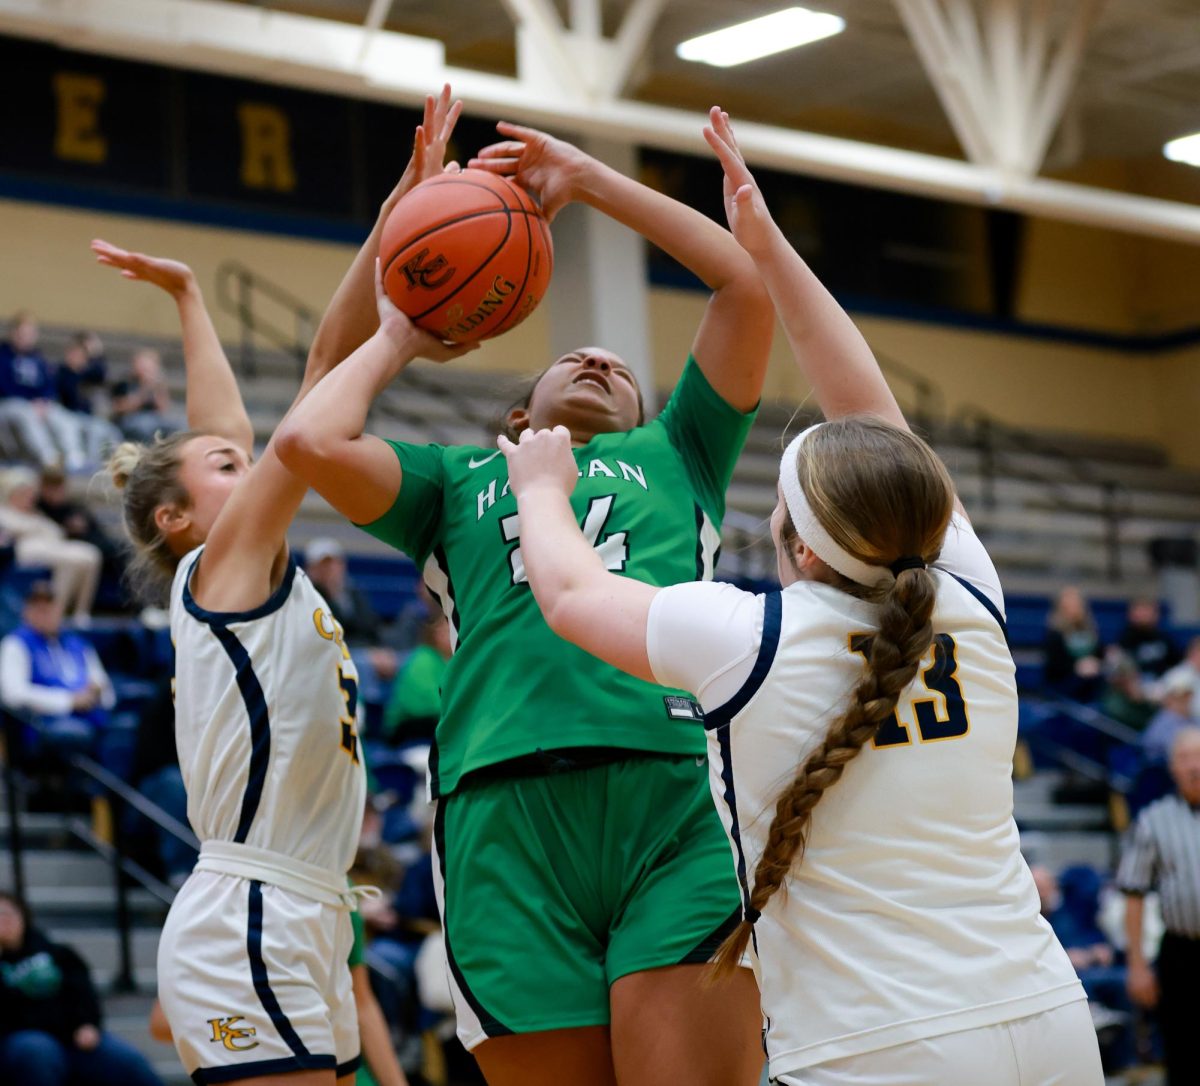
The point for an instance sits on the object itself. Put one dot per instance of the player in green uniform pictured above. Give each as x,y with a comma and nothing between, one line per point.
584,876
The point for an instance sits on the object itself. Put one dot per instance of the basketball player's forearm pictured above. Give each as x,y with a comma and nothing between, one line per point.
831,352
337,408
1135,906
601,612
702,246
214,402
352,316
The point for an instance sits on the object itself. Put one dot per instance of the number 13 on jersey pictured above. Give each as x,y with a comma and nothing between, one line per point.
935,722
614,548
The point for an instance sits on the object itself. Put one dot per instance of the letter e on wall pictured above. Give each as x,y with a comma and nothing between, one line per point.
77,135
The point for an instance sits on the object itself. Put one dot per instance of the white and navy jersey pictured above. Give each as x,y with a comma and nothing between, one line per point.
265,704
912,913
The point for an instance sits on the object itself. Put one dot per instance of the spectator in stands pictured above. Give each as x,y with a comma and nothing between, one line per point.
78,522
54,677
325,563
39,542
1073,653
77,381
1162,855
156,774
1125,698
1190,669
1176,710
415,702
1145,642
50,1031
141,403
28,404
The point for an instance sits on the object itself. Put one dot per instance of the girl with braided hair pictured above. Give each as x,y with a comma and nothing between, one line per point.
861,725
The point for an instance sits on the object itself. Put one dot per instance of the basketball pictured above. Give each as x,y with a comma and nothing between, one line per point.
466,256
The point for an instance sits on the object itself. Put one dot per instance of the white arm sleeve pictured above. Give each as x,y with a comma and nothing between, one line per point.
19,691
97,674
965,556
704,637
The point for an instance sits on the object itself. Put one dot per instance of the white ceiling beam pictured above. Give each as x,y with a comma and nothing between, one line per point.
315,54
586,19
1054,88
953,80
633,36
1002,95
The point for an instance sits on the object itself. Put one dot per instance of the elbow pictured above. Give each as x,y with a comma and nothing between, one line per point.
299,449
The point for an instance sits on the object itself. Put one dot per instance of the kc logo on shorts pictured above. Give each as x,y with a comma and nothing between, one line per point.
229,1033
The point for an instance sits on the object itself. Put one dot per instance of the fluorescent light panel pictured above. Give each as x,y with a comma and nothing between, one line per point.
761,37
1185,149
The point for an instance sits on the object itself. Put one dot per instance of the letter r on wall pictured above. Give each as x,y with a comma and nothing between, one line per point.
266,147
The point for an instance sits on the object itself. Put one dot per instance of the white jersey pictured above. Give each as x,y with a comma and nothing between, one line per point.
913,913
265,706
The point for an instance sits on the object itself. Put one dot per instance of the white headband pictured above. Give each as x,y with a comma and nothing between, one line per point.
810,529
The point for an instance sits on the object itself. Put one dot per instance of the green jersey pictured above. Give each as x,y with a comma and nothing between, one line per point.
650,500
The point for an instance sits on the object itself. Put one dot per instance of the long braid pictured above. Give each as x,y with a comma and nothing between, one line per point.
905,634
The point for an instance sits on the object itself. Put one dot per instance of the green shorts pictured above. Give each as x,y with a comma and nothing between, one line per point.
552,887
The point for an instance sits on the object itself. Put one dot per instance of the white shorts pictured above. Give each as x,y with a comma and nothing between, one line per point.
254,980
1055,1048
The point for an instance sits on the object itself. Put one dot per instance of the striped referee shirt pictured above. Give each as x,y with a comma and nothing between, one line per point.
1163,853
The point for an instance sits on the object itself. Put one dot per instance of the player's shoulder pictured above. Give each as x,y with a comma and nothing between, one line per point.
461,461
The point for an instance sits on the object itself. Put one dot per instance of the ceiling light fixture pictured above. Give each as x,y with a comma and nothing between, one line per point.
1185,149
761,37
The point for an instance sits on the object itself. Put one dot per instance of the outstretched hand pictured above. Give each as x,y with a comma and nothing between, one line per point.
548,167
406,336
172,276
749,220
433,136
540,459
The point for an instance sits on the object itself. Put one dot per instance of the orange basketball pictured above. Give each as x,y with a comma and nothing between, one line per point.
467,256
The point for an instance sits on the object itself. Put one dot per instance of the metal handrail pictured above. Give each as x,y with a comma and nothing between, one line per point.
928,400
113,852
993,439
238,287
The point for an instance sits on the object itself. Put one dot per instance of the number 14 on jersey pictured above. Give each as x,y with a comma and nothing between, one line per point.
613,549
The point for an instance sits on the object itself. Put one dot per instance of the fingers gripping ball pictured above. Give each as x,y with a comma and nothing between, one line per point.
466,255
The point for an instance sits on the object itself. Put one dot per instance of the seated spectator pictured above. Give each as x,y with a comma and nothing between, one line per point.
325,563
1176,710
1189,669
78,522
1145,642
415,703
44,427
156,774
55,677
141,404
1125,698
1073,653
40,542
78,378
50,1031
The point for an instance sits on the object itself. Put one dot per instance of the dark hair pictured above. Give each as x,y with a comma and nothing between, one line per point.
882,494
502,425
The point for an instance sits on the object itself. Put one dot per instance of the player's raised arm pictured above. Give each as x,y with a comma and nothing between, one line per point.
829,349
214,402
734,339
322,439
352,316
582,601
